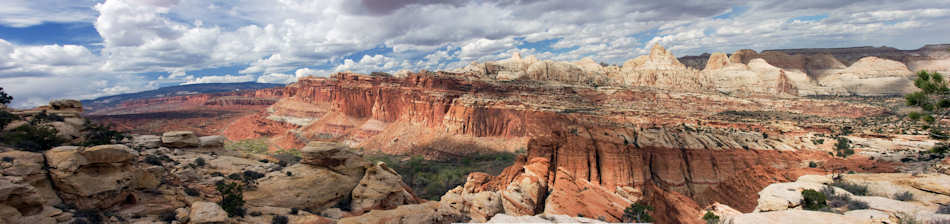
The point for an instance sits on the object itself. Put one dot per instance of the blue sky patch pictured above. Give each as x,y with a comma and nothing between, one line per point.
812,18
84,34
733,12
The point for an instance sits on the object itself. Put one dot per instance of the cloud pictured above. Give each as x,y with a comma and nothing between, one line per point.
277,78
23,13
152,43
221,79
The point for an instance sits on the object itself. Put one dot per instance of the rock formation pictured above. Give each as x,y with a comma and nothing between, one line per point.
94,177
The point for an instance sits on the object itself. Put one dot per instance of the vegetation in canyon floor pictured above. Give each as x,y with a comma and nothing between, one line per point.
430,179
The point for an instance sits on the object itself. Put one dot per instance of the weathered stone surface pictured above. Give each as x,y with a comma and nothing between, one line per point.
381,188
543,218
926,188
98,181
429,212
146,141
66,131
108,154
468,200
524,196
207,212
28,166
568,194
213,141
795,216
18,200
782,196
309,187
180,139
334,156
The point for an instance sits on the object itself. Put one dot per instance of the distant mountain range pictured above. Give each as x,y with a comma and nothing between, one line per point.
109,101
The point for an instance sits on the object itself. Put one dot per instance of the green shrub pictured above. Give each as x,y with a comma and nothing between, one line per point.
6,118
256,146
97,134
44,117
235,176
430,179
232,198
192,192
812,164
904,196
167,216
154,160
853,188
843,148
857,205
638,212
287,157
813,200
4,98
250,175
34,138
279,219
711,218
200,162
940,148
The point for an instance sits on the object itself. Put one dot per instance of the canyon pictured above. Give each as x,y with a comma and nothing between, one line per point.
680,136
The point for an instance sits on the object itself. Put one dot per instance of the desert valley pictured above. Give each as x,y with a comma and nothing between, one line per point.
742,137
474,111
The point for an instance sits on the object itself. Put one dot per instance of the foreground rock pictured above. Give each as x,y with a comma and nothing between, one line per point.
95,177
207,212
503,218
381,188
180,139
878,202
429,212
794,217
328,174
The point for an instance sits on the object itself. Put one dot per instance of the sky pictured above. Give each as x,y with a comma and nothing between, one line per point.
82,49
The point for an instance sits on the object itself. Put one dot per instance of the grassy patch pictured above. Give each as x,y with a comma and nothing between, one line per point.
430,179
257,145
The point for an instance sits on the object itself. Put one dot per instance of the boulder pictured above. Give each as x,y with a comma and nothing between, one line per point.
180,139
214,141
207,212
28,166
782,196
309,187
543,218
108,154
65,130
429,212
18,200
334,156
146,141
66,105
933,188
794,217
96,177
470,201
524,196
381,188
